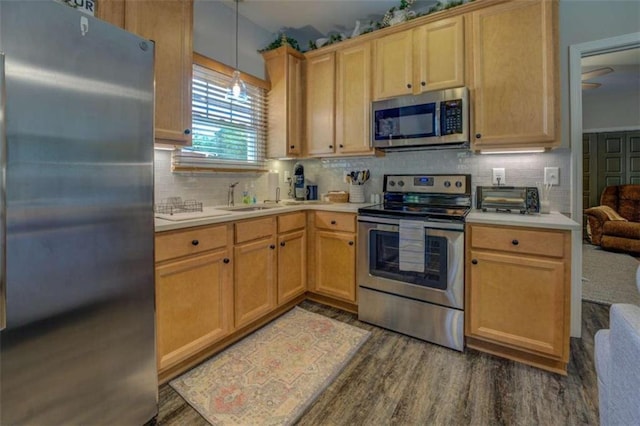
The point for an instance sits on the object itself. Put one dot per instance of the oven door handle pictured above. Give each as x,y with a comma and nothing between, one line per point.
453,226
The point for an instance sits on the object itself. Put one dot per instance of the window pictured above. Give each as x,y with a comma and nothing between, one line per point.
226,134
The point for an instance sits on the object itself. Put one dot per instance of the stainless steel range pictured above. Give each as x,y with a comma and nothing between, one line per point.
411,257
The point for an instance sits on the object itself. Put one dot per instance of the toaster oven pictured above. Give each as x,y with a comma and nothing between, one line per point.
522,199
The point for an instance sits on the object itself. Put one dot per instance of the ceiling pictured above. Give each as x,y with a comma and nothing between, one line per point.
625,77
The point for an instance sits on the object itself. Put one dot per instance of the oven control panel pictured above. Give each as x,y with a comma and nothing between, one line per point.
428,184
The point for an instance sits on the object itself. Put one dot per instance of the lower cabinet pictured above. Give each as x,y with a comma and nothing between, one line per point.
518,284
194,294
334,256
292,256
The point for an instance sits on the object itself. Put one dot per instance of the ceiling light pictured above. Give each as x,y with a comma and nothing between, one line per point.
237,90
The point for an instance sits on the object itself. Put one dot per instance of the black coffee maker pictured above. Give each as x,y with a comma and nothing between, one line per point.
299,191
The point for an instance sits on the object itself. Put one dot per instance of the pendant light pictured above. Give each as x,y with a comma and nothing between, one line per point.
237,90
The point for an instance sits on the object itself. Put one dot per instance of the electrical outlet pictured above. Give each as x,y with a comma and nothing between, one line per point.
552,176
499,176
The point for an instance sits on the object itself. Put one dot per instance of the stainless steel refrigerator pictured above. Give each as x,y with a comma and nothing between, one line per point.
77,339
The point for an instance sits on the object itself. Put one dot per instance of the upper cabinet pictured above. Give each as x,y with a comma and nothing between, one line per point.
428,57
169,23
285,135
320,91
513,75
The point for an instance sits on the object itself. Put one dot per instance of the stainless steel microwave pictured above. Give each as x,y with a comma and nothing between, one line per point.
431,120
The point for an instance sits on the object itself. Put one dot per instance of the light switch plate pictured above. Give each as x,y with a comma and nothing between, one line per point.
552,176
499,176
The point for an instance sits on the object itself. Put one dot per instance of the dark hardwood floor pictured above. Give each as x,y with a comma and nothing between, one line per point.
395,379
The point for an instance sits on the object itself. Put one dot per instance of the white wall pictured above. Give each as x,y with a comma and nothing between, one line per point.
214,36
617,111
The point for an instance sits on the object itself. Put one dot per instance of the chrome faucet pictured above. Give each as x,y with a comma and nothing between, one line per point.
230,197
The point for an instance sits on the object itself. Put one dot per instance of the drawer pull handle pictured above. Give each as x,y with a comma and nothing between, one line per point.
333,222
195,242
292,147
515,242
423,83
478,135
474,261
225,260
408,85
282,244
187,131
272,246
350,243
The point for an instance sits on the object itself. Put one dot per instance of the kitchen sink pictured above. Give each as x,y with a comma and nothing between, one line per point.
247,208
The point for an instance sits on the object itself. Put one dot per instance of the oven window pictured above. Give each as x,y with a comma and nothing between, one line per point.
384,260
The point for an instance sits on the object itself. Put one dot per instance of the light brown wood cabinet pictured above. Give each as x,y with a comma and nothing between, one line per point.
518,284
194,291
284,69
292,256
320,104
254,272
513,75
332,262
429,57
169,23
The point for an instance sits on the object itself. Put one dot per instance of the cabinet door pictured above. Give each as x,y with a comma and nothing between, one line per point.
169,24
335,260
193,305
353,99
438,55
254,280
294,106
519,301
292,260
514,75
320,104
393,69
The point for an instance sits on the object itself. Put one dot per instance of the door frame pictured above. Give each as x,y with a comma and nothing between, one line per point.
576,53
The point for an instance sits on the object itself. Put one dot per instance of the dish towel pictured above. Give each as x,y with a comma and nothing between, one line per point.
411,245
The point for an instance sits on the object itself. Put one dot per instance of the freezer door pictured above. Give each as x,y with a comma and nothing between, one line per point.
79,342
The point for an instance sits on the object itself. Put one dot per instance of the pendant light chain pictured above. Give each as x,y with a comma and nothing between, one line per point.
237,2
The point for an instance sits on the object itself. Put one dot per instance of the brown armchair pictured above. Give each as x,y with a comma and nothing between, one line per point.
615,223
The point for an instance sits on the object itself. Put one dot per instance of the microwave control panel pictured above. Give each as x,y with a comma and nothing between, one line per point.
451,117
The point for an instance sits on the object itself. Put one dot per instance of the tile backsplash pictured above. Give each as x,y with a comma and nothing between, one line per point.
521,170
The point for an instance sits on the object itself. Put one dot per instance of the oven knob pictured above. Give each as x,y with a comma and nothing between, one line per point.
400,183
447,184
458,184
392,183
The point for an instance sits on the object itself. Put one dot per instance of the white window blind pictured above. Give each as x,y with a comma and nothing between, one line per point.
226,134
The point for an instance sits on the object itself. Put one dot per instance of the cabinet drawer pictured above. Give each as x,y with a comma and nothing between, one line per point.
290,222
514,240
336,221
255,229
182,243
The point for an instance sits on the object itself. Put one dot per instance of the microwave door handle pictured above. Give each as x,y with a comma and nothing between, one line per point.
437,119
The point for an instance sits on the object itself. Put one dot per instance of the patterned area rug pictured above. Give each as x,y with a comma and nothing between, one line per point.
274,374
608,277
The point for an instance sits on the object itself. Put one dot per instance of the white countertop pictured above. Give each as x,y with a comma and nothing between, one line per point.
553,220
168,225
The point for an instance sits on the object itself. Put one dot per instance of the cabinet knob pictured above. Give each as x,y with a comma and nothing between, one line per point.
423,83
474,261
225,260
330,146
478,135
515,242
195,242
272,246
333,222
408,85
350,243
341,146
282,244
187,131
292,146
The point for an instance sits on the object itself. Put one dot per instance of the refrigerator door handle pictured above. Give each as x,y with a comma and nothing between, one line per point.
3,199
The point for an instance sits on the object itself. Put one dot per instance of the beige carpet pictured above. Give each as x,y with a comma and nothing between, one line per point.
274,374
608,277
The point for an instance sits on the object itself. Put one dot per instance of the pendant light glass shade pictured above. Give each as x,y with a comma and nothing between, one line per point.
237,90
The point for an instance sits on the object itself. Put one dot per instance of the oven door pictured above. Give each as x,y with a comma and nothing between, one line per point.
442,281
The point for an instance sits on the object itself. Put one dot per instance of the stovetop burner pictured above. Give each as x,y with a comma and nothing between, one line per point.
432,197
